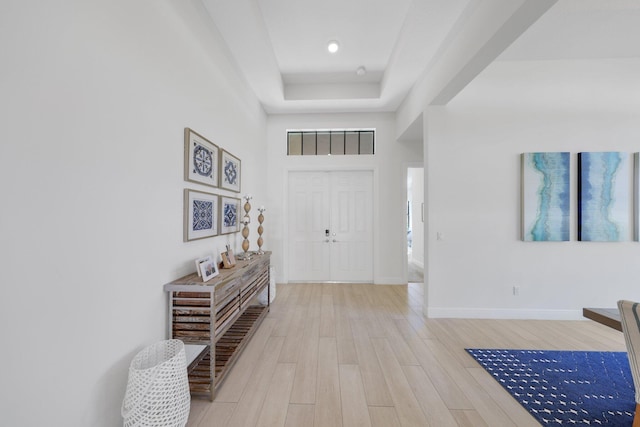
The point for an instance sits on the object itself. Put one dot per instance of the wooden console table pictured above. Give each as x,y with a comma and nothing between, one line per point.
607,316
222,313
194,353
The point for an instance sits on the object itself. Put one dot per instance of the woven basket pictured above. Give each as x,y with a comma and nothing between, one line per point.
158,387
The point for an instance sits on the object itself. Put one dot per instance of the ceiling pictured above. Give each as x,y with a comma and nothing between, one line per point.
280,46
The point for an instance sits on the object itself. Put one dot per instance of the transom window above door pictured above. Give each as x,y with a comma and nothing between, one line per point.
330,142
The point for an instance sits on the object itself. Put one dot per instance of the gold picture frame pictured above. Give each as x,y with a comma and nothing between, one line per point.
200,159
200,215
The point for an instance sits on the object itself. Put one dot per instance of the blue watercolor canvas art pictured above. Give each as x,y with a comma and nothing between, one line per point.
546,196
603,196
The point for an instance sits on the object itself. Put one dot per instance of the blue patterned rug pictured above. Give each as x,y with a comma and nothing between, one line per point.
565,387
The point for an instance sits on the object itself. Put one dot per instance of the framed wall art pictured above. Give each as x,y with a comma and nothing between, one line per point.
545,196
229,171
603,196
200,159
200,215
229,215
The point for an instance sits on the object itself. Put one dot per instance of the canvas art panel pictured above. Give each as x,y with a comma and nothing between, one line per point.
546,196
636,196
229,215
201,159
603,196
229,172
200,215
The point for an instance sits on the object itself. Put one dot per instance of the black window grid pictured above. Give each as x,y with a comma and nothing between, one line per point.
338,142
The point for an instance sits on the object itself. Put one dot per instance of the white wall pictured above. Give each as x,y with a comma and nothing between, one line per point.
94,99
472,170
389,185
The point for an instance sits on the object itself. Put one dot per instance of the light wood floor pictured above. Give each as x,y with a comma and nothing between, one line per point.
363,355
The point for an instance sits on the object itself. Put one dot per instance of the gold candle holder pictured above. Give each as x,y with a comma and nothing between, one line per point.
261,209
246,220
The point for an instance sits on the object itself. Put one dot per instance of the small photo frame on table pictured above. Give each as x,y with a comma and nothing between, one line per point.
208,269
200,159
229,171
229,215
200,215
200,261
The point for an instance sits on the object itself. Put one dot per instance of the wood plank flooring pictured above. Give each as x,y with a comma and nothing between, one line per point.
363,355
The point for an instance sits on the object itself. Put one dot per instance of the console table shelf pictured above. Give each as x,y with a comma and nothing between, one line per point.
222,313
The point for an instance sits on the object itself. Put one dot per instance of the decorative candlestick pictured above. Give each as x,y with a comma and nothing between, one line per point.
261,209
245,231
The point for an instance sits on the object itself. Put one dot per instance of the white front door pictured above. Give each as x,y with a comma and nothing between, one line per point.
330,226
308,222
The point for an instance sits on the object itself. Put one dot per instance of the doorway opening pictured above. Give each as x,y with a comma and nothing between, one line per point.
415,225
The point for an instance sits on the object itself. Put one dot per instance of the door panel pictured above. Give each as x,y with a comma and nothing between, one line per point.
308,219
351,221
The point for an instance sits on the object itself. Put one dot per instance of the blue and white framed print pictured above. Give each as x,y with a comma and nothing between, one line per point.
603,196
200,215
229,215
545,197
201,159
229,172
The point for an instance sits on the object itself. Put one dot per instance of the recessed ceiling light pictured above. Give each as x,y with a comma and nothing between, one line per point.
333,46
361,71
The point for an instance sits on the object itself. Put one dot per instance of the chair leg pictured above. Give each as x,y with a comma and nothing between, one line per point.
636,417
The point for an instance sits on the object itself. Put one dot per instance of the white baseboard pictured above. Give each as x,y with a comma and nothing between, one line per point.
502,313
388,281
